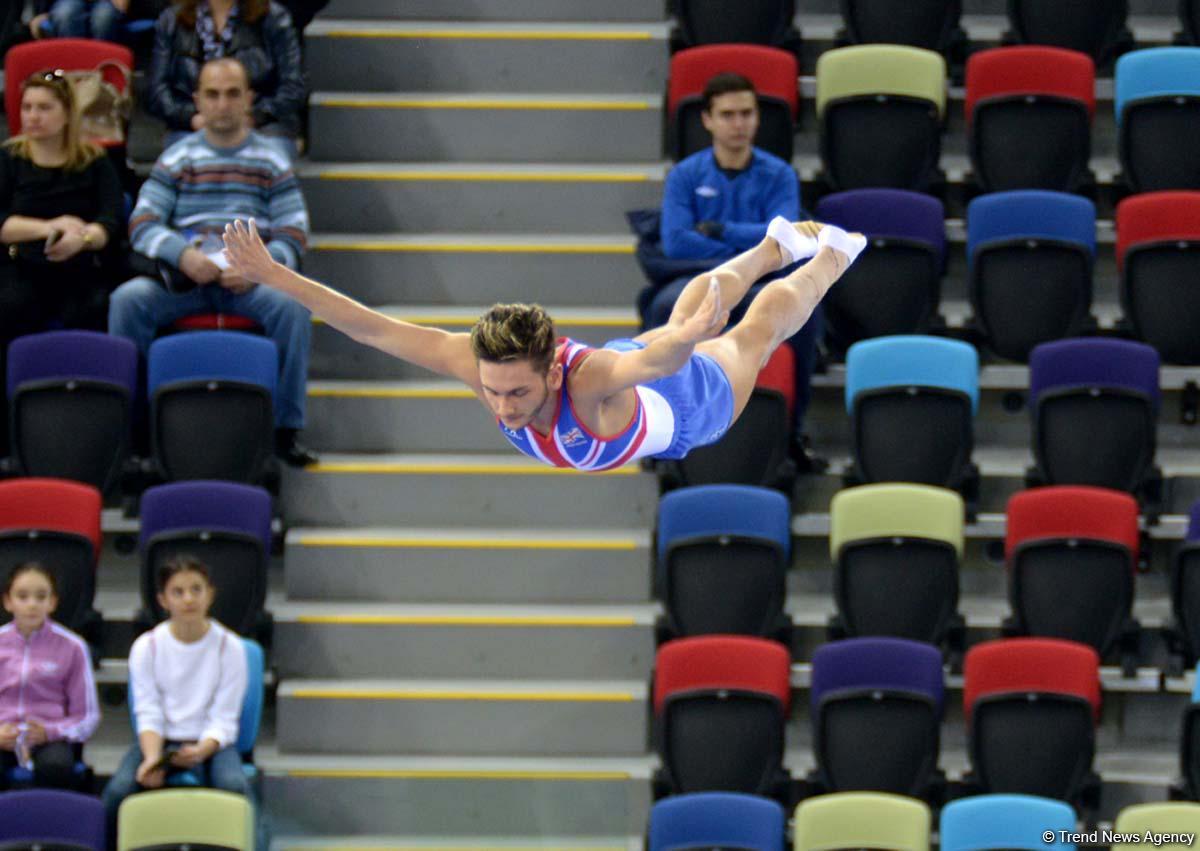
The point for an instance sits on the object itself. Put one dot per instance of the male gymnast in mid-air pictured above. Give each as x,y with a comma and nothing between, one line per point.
658,395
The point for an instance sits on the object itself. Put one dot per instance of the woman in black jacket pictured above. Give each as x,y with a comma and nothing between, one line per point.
258,33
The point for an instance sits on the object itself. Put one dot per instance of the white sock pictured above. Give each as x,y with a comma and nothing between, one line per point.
792,243
849,244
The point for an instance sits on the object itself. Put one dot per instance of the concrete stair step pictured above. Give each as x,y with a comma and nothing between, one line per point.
577,270
566,642
498,10
468,565
475,716
515,128
487,56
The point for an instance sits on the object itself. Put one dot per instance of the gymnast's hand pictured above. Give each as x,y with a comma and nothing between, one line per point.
247,255
708,321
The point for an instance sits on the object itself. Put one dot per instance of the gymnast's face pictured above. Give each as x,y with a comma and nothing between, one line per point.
518,392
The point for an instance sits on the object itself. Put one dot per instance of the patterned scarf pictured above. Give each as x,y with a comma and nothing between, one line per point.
215,46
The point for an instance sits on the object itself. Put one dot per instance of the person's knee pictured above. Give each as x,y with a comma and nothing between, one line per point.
106,21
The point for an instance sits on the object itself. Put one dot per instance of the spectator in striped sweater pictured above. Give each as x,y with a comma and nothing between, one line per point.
201,183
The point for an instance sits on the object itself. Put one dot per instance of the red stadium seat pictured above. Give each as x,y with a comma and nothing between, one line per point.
722,702
779,375
216,322
1158,262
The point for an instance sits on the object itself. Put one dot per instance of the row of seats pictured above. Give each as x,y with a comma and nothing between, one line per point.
226,525
881,110
897,823
169,818
74,397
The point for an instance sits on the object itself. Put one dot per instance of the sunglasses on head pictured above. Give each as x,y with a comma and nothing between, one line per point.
57,75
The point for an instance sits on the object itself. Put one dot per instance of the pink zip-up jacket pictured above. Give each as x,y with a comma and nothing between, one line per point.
48,679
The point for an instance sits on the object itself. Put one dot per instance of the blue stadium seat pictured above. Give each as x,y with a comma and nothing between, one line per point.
912,401
895,287
227,525
70,396
717,820
723,551
1017,822
876,715
1030,255
1157,102
211,405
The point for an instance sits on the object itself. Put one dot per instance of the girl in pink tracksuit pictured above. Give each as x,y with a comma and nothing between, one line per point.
48,701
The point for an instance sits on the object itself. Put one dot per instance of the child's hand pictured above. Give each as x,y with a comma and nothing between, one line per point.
149,776
35,734
189,756
8,736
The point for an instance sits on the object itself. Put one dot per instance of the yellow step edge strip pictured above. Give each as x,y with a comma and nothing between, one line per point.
456,544
387,393
478,696
467,620
431,774
478,248
461,469
488,103
493,35
494,176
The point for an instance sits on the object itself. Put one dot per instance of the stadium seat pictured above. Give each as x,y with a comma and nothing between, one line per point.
1015,822
717,820
1185,588
67,54
723,551
1094,27
1158,261
755,449
876,715
216,322
749,22
895,287
1030,254
1031,706
880,110
227,526
912,403
931,24
211,403
1018,93
1094,404
1189,744
721,703
1162,818
1189,16
197,818
1157,102
1072,553
872,820
56,523
248,722
775,74
71,396
51,818
896,551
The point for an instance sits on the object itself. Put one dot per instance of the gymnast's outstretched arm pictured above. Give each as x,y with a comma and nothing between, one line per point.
432,348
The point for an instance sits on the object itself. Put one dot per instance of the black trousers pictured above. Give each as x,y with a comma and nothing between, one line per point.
53,765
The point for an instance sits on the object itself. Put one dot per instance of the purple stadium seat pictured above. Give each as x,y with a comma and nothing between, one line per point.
1095,404
895,287
71,396
226,525
54,817
876,710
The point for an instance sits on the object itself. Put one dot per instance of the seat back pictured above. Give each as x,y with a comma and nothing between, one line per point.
71,399
717,820
1158,260
751,22
721,702
722,554
1189,742
185,816
1094,27
1030,255
1106,389
1178,818
876,712
983,822
880,108
912,401
1185,586
895,287
211,398
779,375
861,820
56,523
68,54
52,816
1189,16
227,526
1156,98
930,24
